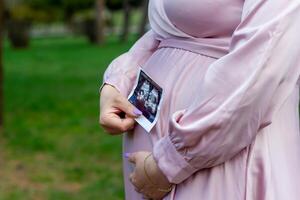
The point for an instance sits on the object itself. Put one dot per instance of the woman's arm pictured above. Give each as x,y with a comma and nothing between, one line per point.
116,113
122,72
239,93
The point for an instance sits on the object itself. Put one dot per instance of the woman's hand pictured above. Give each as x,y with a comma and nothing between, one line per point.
116,112
147,178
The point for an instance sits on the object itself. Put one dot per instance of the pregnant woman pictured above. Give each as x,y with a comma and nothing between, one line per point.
228,127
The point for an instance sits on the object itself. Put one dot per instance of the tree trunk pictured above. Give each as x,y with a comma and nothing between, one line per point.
126,21
1,60
142,28
100,23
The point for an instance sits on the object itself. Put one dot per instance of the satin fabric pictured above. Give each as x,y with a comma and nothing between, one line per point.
228,127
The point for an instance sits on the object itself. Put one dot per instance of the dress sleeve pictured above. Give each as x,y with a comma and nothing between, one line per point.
239,92
122,72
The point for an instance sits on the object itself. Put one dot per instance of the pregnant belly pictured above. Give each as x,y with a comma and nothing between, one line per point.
179,73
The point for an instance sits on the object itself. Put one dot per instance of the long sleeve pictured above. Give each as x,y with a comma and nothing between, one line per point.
239,93
122,72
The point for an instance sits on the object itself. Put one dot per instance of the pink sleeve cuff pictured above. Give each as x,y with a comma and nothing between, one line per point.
171,162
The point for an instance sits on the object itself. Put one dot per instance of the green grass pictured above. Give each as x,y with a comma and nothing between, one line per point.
52,146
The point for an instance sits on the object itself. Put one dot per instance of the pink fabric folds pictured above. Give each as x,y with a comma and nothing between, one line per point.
229,123
226,119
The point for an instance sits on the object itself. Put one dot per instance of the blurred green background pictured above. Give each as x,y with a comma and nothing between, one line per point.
54,56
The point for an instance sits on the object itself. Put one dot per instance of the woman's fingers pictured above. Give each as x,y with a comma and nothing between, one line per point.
112,122
141,181
145,196
134,182
132,158
116,113
138,186
124,105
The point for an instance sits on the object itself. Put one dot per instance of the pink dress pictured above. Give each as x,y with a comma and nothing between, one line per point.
229,123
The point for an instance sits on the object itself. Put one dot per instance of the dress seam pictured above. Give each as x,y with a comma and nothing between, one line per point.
184,49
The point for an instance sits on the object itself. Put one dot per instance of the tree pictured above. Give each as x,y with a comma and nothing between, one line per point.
1,60
126,21
100,24
118,4
72,6
142,28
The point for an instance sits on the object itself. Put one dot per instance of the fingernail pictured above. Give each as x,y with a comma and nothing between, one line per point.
126,155
137,112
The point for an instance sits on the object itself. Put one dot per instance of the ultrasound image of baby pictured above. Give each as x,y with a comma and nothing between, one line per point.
146,96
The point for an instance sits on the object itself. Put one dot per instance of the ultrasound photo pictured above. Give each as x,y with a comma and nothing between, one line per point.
147,97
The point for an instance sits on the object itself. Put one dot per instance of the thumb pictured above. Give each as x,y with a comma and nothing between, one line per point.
131,157
129,109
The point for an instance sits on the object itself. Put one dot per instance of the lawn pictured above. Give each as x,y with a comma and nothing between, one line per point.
52,146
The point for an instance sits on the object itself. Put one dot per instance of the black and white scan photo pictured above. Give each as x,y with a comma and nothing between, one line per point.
146,96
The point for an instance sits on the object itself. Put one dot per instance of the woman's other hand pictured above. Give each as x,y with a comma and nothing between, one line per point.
147,178
116,112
